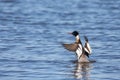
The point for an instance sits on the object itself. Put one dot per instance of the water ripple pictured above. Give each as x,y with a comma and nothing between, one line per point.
31,33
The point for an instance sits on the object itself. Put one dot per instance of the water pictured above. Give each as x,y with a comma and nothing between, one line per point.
31,32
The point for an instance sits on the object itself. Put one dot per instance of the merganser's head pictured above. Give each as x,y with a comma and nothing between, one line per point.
74,33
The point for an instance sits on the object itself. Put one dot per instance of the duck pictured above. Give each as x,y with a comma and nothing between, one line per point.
82,52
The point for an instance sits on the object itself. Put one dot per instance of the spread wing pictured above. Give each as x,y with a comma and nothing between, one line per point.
71,47
87,46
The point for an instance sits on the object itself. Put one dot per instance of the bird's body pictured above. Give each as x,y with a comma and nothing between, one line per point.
77,47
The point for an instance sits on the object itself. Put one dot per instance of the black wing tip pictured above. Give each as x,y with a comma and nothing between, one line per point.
62,43
87,54
86,39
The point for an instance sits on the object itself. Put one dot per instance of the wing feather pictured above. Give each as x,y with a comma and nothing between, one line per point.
87,46
71,47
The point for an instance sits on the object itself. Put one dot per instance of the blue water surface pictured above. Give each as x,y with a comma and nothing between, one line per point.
31,33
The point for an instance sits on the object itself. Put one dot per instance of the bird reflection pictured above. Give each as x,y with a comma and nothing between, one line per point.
82,71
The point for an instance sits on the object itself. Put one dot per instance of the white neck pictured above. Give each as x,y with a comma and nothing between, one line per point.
77,37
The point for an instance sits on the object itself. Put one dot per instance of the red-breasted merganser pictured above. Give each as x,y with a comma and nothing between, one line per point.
81,51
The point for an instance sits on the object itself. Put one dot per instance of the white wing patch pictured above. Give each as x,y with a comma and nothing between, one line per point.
79,51
88,49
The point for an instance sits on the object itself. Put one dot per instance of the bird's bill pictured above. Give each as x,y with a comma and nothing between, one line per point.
69,32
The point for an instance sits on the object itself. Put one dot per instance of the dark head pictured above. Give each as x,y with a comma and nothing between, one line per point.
75,33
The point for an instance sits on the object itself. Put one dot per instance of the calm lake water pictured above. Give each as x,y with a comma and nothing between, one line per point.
31,32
